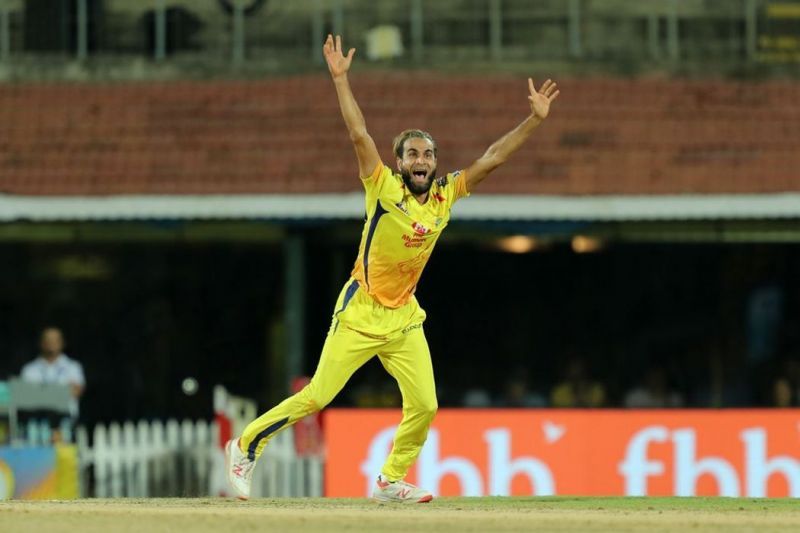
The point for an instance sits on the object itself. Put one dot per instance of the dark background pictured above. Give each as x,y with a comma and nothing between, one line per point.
143,316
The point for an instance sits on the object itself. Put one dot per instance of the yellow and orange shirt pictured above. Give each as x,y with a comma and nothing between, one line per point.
400,233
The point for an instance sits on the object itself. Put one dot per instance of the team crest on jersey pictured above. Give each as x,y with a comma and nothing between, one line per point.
402,206
438,221
419,229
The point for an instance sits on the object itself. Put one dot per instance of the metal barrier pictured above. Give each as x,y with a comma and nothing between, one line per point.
149,459
235,32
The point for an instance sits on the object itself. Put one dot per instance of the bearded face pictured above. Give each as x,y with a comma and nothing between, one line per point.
418,165
419,181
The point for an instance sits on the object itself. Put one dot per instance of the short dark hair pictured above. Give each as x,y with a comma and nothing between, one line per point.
51,328
399,141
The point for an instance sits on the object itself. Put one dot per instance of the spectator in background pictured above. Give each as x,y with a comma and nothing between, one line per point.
517,393
765,307
54,367
471,383
376,390
654,393
577,389
786,387
476,398
725,383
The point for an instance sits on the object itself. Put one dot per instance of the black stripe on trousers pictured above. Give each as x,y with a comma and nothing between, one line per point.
251,450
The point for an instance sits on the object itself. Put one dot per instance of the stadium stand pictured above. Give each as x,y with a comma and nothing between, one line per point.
613,136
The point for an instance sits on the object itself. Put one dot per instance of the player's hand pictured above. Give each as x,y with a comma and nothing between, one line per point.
540,100
338,63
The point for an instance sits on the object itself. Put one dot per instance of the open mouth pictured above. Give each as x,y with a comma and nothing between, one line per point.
420,173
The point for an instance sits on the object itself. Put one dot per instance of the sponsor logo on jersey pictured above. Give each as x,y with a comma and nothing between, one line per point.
419,229
412,327
402,206
413,241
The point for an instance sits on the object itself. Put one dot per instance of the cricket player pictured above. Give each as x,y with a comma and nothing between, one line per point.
377,314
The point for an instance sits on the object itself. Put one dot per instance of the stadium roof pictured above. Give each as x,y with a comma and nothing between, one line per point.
351,206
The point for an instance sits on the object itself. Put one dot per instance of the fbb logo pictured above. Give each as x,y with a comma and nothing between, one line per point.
688,468
431,467
543,452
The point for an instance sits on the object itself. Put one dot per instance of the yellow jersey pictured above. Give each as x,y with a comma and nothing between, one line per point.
400,233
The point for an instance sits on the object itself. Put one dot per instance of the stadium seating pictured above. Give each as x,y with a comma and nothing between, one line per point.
606,136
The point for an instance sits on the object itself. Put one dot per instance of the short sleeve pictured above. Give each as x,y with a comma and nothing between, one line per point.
374,182
460,184
456,187
76,376
377,176
29,372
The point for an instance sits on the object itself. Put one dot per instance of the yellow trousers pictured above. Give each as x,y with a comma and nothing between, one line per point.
361,329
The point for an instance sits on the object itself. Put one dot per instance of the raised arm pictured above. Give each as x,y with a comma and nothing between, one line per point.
339,64
498,153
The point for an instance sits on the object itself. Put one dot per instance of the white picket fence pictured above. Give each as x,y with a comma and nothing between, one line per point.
182,459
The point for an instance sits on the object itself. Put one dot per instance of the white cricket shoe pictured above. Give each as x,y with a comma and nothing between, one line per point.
239,469
400,492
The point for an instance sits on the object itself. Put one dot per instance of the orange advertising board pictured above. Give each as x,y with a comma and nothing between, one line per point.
474,452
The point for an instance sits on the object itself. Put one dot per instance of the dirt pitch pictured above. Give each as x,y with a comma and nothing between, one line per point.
442,515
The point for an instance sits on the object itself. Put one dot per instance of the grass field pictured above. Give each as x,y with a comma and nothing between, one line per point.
442,515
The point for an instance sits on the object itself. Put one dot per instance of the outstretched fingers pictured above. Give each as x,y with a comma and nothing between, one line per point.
333,45
531,88
549,89
328,47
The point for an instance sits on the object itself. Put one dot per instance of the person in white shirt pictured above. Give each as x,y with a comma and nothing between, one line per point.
54,367
654,393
